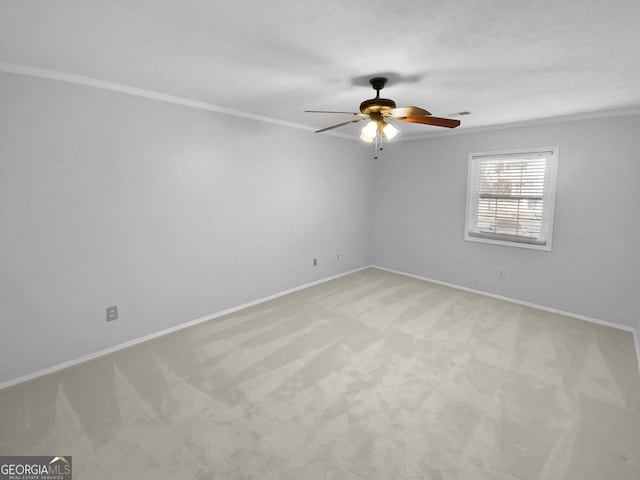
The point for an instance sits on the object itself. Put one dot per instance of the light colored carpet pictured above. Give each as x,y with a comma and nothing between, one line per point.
373,375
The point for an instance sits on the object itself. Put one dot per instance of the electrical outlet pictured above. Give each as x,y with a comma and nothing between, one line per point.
112,313
502,273
315,262
337,256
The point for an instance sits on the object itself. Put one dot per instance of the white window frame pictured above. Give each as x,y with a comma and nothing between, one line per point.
472,231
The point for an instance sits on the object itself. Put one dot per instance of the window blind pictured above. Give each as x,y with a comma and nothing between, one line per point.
509,197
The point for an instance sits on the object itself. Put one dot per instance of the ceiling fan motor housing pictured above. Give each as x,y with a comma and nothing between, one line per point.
377,105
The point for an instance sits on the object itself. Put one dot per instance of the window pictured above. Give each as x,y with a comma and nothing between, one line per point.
511,197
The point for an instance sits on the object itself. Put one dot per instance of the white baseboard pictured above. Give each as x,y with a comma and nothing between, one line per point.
633,331
213,316
167,331
636,339
508,299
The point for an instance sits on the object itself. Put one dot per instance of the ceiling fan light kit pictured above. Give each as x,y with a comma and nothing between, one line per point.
377,109
380,129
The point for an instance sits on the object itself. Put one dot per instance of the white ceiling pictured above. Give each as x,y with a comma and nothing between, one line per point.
504,61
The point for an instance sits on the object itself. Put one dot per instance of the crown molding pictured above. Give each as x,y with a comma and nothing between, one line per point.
187,102
140,92
624,112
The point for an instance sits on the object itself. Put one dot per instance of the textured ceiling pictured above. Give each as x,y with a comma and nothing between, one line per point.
504,61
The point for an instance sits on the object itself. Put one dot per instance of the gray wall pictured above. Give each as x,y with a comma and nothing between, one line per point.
171,213
638,324
593,269
174,213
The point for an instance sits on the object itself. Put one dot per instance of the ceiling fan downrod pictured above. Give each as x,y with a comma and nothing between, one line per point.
377,104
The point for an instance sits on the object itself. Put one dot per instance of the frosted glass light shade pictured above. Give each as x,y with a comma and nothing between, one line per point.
369,132
370,129
390,131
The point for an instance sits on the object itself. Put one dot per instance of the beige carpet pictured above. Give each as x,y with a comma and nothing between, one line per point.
373,376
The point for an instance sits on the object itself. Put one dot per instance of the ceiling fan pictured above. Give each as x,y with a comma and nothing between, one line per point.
378,109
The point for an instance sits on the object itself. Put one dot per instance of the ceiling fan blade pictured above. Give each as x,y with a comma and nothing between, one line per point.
340,125
325,111
429,120
402,112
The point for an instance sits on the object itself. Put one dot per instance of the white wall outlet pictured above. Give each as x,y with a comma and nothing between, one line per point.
502,273
112,313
